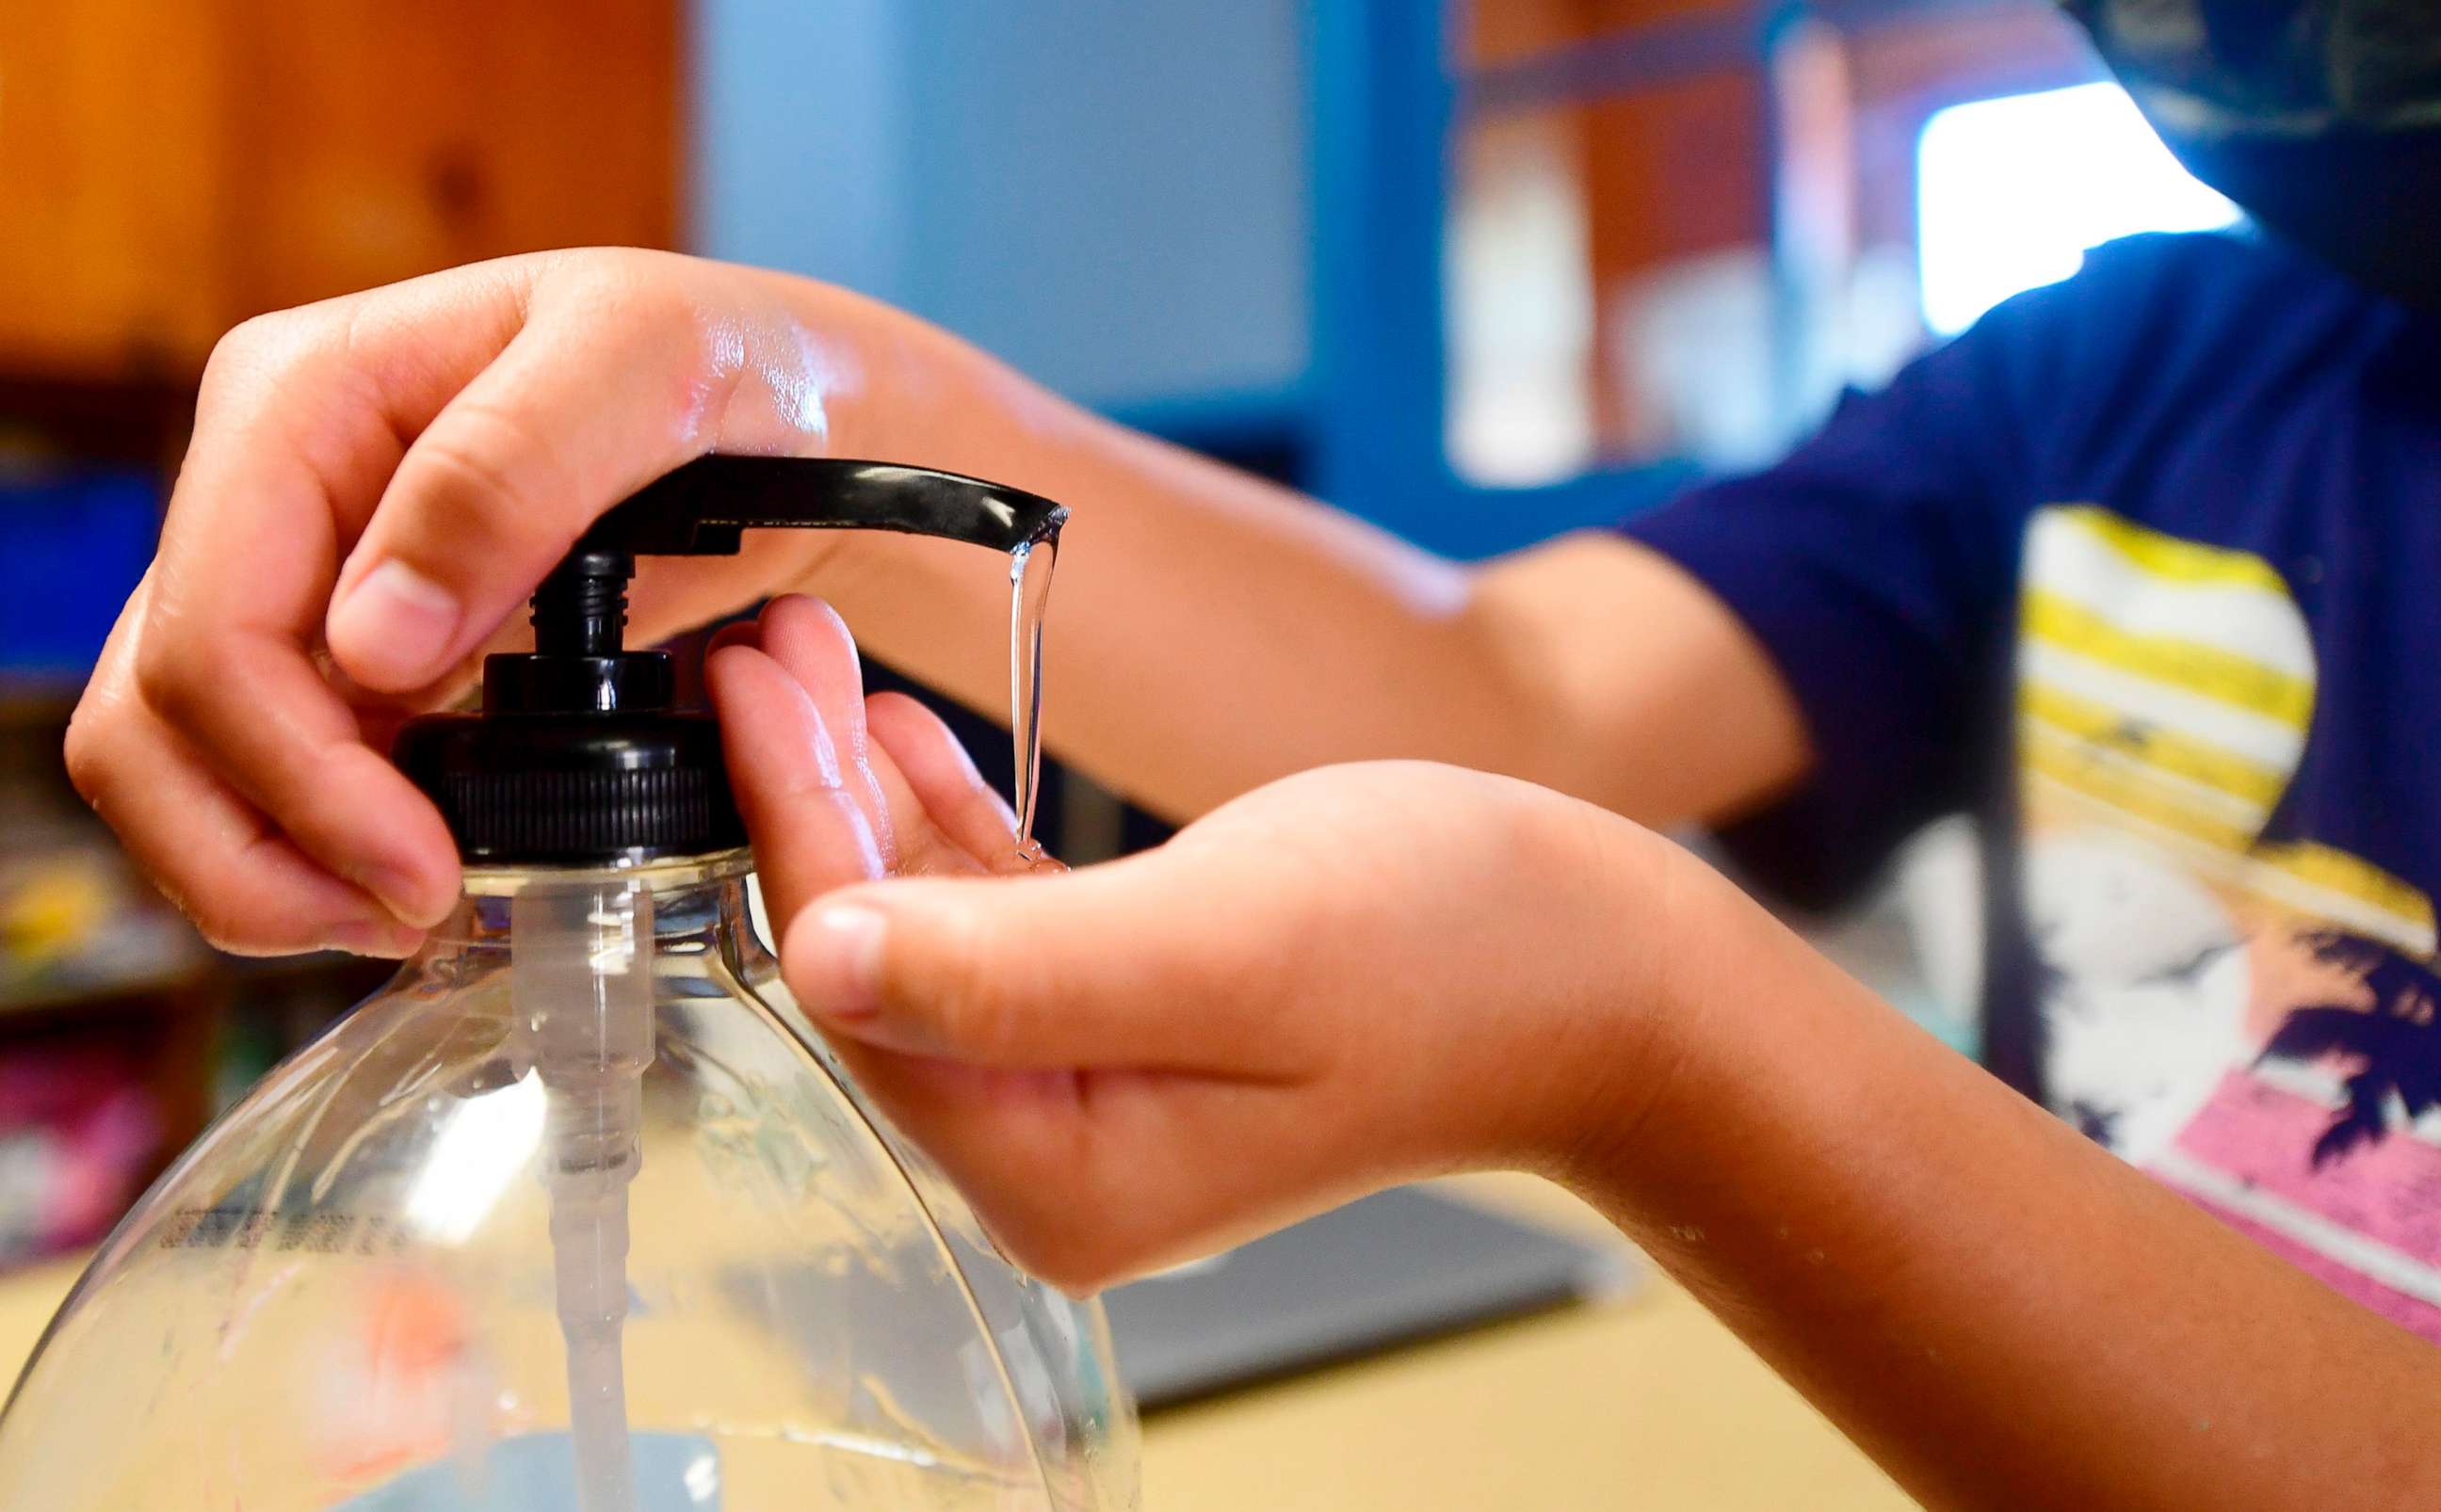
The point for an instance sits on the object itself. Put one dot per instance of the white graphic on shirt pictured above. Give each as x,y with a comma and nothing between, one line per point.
2254,1021
2145,1009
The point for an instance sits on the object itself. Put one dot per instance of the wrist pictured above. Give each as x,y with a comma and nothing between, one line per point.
1679,940
903,390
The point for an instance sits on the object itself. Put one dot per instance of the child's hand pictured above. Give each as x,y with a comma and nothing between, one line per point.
837,787
1374,972
1349,978
374,485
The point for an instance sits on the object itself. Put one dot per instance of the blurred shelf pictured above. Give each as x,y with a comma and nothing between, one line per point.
131,994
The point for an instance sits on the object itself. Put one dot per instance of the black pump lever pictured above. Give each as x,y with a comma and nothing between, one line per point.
580,661
699,509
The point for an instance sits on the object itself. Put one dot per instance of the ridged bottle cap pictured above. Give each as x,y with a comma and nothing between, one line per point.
577,758
574,790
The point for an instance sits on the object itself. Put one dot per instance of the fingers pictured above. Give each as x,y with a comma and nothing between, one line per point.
245,886
266,718
305,424
445,438
1160,961
786,745
496,488
811,643
810,833
298,420
942,782
948,820
219,857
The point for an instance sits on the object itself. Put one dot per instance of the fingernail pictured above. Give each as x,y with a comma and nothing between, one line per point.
368,937
844,972
394,628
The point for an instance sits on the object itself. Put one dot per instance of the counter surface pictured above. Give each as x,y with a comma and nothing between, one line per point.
1642,1401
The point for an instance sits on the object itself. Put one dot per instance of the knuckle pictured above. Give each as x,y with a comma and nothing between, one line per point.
162,667
272,343
88,753
244,340
354,329
583,264
681,324
221,928
220,919
662,303
173,672
477,490
255,369
1054,1248
626,285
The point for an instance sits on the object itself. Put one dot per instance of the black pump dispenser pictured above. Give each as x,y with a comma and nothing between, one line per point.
578,757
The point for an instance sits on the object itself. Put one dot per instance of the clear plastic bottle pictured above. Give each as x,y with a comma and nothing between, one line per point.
347,1295
578,1213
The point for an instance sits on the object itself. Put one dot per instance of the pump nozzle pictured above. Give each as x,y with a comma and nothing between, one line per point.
578,756
579,662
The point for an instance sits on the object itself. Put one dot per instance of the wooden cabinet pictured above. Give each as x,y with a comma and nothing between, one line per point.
108,168
170,167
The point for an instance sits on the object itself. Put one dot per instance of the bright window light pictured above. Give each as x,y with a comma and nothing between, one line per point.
2011,192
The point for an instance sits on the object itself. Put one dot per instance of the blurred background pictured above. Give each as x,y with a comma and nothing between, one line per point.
1482,273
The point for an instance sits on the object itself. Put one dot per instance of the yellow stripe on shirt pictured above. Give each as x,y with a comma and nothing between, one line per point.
2308,880
2167,556
2203,670
2311,870
2130,790
2339,871
2178,753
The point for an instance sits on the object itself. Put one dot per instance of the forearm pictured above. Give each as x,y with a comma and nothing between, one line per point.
1999,1311
1212,631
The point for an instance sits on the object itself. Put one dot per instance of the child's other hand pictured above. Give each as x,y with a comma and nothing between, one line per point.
1346,979
837,787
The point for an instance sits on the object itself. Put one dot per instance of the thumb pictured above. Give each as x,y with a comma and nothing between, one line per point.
1170,960
500,485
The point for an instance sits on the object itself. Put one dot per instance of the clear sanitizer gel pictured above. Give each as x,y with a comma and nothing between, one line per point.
577,1214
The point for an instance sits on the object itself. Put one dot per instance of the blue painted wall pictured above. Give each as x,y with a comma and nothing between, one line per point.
800,142
1113,196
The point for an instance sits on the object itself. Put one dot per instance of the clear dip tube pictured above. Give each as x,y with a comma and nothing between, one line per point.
581,986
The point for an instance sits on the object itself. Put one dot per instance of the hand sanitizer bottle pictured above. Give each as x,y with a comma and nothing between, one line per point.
577,1214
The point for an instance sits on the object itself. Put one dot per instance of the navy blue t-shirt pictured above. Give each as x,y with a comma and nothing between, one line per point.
2136,569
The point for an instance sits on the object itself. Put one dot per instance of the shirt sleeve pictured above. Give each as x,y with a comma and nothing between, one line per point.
1877,566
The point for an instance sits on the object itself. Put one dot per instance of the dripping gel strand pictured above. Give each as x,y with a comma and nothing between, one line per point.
1029,576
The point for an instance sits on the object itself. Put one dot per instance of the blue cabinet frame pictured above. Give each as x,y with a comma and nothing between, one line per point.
1384,99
